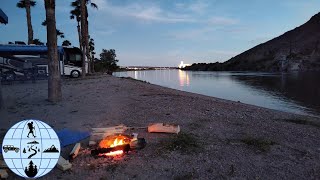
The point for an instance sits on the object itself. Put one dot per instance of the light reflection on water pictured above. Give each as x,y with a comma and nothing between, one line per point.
297,92
184,78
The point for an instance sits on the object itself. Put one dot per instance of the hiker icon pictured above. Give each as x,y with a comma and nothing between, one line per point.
32,129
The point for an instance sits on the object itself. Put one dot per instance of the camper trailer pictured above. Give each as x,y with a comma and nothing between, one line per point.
27,61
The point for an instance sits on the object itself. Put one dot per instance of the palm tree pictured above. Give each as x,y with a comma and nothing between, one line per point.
76,14
27,4
59,33
37,42
92,53
54,81
1,100
66,43
83,35
93,5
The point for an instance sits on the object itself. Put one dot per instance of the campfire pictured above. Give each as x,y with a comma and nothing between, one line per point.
117,145
113,141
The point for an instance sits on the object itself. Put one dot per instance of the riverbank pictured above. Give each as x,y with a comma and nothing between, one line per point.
219,138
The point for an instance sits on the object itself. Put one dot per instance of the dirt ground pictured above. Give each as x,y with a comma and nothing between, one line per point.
219,139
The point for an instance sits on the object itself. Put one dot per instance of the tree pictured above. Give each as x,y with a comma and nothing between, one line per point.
37,42
83,35
59,33
83,31
108,61
92,53
66,43
75,14
27,4
87,35
54,81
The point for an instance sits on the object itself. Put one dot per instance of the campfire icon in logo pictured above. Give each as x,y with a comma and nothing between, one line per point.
31,148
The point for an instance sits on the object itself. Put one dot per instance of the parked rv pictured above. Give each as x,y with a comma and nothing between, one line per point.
28,62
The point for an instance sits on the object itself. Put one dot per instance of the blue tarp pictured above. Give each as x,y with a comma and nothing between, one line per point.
25,49
67,136
3,17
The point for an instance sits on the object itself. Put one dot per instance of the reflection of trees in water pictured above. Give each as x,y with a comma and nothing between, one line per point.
303,88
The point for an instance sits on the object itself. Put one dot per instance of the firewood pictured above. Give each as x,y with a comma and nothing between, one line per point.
107,133
3,174
134,136
100,133
92,143
139,143
75,151
63,164
164,128
96,137
99,136
120,128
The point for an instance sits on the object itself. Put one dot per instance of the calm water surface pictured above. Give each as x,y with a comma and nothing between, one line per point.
291,92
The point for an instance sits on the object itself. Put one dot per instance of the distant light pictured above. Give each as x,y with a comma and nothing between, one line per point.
182,65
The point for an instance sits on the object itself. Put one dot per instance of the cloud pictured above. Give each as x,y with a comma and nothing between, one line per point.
105,32
204,32
222,21
197,7
152,12
142,11
198,34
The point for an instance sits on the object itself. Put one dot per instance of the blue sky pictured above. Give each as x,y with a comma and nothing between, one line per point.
164,32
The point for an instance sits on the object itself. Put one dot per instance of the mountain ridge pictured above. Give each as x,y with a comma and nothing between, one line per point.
294,50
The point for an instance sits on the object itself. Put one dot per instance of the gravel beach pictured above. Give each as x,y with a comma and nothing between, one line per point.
219,139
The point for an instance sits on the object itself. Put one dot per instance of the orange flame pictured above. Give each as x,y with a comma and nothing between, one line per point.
114,153
117,142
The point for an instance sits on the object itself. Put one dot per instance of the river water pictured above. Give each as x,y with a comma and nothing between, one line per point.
291,92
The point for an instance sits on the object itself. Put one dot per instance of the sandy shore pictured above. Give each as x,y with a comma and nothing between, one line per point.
220,139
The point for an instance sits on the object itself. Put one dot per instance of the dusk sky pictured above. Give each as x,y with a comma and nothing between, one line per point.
164,32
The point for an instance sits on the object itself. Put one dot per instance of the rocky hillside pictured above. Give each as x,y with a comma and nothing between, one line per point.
295,50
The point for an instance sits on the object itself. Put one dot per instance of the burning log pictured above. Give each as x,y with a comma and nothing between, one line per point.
138,143
100,151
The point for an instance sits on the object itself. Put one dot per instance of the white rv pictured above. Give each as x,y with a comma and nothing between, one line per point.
21,60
